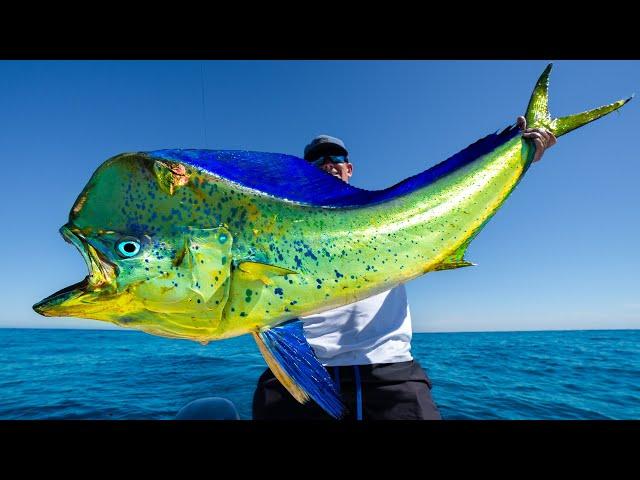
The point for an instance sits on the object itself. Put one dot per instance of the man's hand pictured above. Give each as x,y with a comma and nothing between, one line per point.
542,139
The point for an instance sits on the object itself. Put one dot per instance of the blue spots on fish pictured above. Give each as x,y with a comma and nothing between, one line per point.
177,213
338,274
278,291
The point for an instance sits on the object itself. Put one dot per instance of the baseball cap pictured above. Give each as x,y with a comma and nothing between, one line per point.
324,144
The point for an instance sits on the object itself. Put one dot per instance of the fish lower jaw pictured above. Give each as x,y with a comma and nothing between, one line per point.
82,300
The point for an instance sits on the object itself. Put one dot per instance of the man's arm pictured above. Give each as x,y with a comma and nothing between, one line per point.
542,139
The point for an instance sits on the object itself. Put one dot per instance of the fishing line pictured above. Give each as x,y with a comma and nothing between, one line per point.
204,106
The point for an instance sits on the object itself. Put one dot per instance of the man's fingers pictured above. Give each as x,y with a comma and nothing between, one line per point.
539,148
548,137
541,137
541,131
532,134
538,141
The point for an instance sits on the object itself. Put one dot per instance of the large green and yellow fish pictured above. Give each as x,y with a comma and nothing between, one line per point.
207,244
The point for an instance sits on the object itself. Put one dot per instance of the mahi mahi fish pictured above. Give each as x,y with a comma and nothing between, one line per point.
212,244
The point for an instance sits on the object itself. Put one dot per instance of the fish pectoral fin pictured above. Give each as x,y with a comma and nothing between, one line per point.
207,257
283,377
263,271
455,260
294,364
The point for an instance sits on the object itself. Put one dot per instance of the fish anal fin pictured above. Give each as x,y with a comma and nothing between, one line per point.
455,260
451,264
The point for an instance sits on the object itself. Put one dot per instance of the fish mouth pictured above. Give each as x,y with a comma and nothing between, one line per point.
101,271
77,298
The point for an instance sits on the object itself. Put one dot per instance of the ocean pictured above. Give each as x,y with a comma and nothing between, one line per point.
102,374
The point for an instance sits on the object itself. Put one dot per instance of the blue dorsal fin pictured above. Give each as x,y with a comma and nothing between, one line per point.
294,363
283,176
292,178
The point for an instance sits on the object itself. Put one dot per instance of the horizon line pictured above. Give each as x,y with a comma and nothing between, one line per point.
432,331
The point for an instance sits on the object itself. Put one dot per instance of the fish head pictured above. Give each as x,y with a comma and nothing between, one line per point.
152,264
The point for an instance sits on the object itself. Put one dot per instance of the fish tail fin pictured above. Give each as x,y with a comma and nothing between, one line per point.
538,110
294,364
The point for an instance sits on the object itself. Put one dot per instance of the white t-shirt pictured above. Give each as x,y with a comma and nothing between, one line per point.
374,330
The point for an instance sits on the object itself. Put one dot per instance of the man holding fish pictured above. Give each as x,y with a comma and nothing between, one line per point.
365,346
211,244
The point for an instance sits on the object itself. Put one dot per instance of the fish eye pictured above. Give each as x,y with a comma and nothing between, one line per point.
128,247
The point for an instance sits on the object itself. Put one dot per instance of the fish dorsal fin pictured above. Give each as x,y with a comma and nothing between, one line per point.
293,179
294,364
284,176
263,271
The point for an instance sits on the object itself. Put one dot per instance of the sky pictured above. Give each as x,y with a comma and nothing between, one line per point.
560,254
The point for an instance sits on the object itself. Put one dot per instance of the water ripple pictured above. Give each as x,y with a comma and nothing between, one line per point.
84,374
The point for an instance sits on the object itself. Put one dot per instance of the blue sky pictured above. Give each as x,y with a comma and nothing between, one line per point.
560,254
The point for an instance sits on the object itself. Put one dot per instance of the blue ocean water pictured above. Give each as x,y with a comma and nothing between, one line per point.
92,374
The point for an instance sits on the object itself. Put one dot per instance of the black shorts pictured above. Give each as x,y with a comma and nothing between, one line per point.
388,391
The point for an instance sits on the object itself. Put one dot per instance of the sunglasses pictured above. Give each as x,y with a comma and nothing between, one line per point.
329,158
